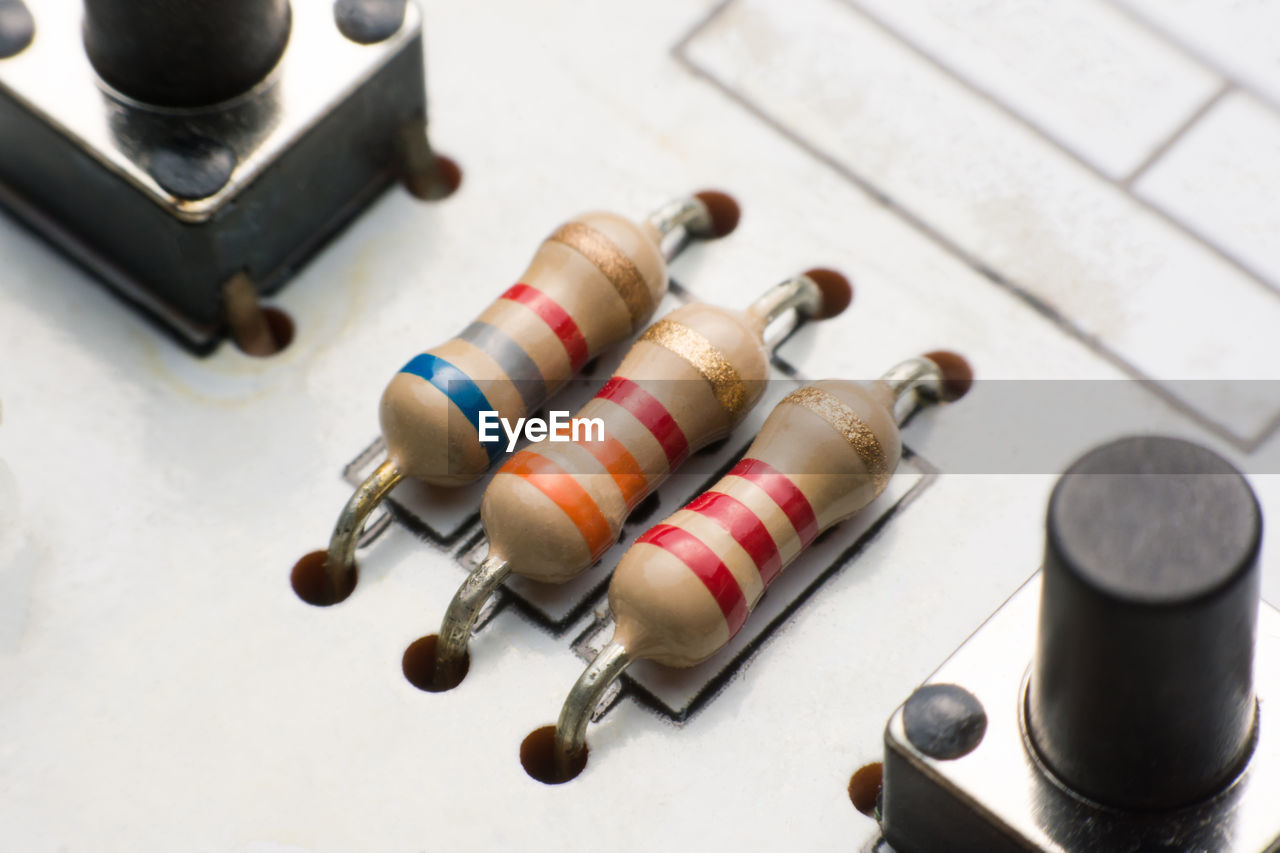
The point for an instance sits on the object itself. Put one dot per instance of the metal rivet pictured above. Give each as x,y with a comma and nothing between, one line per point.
944,721
192,167
17,28
368,21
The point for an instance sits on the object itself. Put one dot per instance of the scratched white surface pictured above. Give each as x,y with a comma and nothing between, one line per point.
161,687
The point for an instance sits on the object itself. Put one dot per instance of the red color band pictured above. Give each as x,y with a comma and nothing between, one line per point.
785,494
745,527
655,417
558,319
704,563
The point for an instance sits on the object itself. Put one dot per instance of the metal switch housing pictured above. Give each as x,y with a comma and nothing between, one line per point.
167,203
1146,719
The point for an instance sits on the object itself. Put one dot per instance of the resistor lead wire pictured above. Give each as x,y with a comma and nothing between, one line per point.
591,284
690,379
689,583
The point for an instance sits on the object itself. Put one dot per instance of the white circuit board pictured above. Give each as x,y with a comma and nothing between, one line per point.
1059,191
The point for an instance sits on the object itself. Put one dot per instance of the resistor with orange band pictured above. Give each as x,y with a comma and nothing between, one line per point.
592,284
554,508
688,584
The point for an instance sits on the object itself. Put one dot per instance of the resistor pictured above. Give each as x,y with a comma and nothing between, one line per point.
591,285
554,508
688,584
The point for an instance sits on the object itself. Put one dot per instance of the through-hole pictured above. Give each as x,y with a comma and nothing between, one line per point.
435,183
311,581
279,334
281,325
538,756
419,666
449,175
864,787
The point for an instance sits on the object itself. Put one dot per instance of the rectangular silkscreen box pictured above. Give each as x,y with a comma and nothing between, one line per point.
1238,39
1223,177
1083,73
970,171
313,145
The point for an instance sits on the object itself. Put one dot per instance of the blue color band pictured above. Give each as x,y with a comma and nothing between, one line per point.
459,388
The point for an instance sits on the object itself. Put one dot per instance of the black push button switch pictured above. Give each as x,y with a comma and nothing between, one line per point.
1141,693
188,54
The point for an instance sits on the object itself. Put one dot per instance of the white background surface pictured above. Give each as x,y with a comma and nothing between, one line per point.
161,687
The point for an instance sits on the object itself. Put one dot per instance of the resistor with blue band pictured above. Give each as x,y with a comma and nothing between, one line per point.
592,284
463,393
554,508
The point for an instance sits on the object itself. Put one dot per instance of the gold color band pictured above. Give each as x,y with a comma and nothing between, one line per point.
846,422
706,358
605,255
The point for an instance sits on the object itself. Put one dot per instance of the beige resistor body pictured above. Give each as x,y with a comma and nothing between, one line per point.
687,585
592,284
555,508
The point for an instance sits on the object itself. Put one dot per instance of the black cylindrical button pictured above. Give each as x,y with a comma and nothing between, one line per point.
1141,693
185,53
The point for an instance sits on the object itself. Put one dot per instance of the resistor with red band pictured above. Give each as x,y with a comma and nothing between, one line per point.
554,508
591,285
689,583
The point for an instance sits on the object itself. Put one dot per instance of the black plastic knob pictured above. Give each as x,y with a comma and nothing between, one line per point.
185,53
1141,694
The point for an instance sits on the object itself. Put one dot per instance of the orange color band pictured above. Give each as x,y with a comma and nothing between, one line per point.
622,466
566,493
